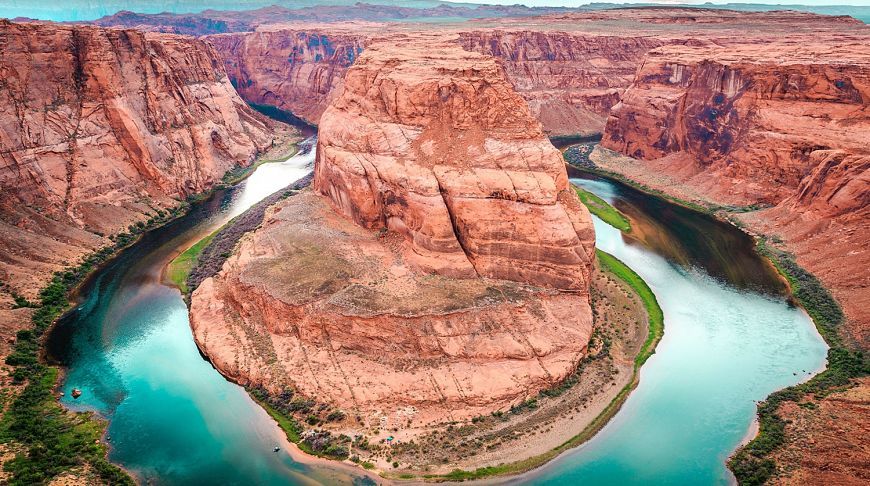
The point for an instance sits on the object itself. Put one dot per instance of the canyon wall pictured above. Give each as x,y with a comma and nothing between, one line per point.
570,80
100,129
438,270
571,68
222,21
295,70
760,126
780,124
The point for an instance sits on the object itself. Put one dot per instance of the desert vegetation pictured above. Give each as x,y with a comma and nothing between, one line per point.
205,258
49,440
599,207
753,464
489,432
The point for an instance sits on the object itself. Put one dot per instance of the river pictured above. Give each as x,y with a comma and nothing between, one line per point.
129,348
730,338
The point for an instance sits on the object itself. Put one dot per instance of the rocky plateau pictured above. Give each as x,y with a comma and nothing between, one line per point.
762,114
748,109
570,67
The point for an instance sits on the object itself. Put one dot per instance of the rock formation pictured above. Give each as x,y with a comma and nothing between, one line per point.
101,128
223,21
781,125
570,80
826,440
295,70
439,148
440,267
571,67
762,122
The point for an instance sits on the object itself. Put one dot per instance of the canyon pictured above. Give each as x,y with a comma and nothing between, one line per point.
570,81
432,180
223,21
684,110
439,269
103,129
738,107
762,116
784,133
298,71
570,67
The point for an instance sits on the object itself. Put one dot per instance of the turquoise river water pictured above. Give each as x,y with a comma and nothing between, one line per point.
730,339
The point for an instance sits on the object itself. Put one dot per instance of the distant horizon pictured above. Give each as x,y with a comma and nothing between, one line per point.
88,10
676,3
690,3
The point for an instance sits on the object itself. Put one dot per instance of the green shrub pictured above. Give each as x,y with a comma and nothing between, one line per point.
599,207
751,464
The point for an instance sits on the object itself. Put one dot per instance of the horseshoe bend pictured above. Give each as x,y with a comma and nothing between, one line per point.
329,243
439,268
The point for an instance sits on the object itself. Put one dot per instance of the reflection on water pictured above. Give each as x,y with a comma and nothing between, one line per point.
725,346
129,348
686,237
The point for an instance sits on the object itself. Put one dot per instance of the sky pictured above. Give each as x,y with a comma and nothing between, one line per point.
572,3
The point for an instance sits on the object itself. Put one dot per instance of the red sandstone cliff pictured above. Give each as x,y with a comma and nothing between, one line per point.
761,121
101,128
410,286
295,70
571,68
438,147
781,124
222,21
570,80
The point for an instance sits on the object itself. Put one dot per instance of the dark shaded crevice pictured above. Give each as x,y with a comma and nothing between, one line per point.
455,226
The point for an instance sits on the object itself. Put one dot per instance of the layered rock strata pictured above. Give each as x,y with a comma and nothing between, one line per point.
315,303
295,70
571,67
764,120
781,125
570,80
438,271
100,129
433,143
223,21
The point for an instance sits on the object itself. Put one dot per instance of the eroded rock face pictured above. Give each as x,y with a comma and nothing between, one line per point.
825,444
781,124
297,70
438,270
222,21
100,128
570,80
432,142
570,67
760,119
